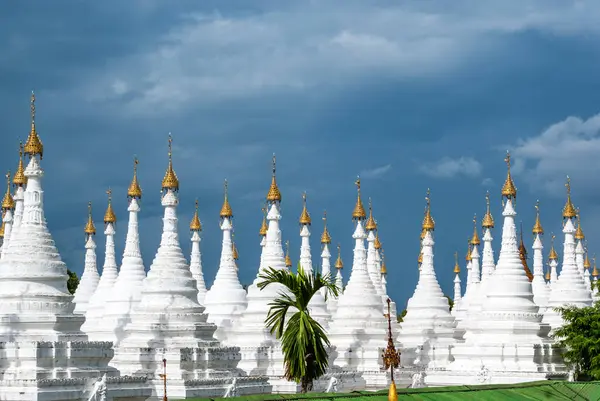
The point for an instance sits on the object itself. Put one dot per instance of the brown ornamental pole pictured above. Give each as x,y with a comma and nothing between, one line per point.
391,356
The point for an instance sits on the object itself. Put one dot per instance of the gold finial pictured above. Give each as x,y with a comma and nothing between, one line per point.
579,232
234,250
226,208
428,222
2,229
19,178
475,239
274,195
377,243
109,215
8,203
468,258
586,261
33,145
383,269
325,237
569,210
508,189
90,229
304,216
195,224
358,213
595,271
338,263
170,181
371,224
537,227
288,260
264,228
488,220
548,277
553,255
456,265
134,191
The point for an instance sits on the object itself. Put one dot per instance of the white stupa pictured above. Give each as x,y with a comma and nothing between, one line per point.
169,323
595,289
579,248
196,257
586,275
487,259
553,264
226,299
90,278
317,305
505,345
45,355
541,291
457,285
8,207
326,264
358,330
428,328
125,294
372,266
570,288
460,312
95,308
339,282
478,293
260,351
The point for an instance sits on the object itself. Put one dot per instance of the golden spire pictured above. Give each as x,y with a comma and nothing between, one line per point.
508,189
34,145
274,195
2,230
428,222
595,271
109,215
19,178
377,242
548,277
325,237
170,181
304,216
288,260
488,220
569,210
338,263
537,227
456,265
586,261
358,213
523,256
371,223
553,255
383,266
475,239
234,250
90,229
226,208
195,224
468,258
8,203
579,232
134,190
264,228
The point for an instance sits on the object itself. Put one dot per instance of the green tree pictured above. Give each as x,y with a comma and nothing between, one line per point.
303,340
72,282
400,317
450,302
579,338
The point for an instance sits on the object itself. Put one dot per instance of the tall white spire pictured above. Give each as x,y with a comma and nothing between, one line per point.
90,278
457,285
126,292
226,299
8,207
97,302
19,181
372,267
538,284
332,302
196,256
570,288
32,265
586,274
326,259
579,248
487,261
317,305
359,308
553,263
428,323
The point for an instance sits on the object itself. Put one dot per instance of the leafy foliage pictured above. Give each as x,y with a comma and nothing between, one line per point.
303,340
450,302
72,282
400,317
580,339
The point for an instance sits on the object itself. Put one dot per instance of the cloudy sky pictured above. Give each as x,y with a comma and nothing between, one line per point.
410,95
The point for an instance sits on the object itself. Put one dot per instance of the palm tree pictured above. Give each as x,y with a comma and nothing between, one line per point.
303,340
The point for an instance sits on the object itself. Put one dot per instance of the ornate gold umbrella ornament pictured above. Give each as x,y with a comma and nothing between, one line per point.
391,357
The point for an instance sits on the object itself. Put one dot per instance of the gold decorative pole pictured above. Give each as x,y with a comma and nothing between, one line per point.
391,356
164,377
